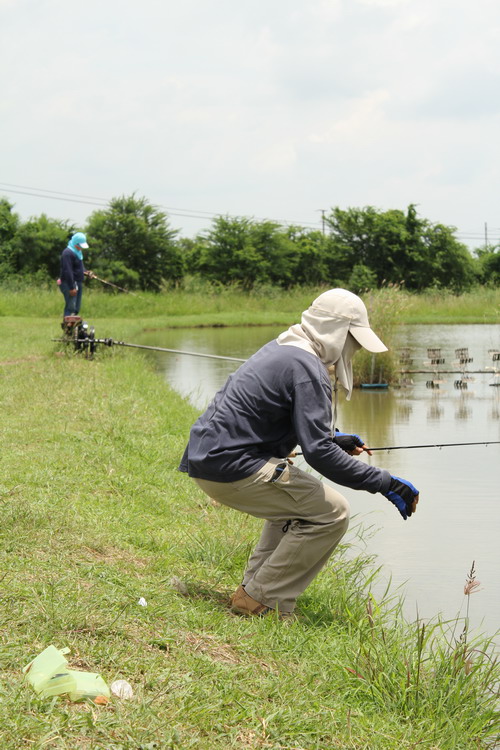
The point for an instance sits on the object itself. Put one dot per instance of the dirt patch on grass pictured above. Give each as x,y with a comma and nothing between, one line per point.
208,644
20,360
113,554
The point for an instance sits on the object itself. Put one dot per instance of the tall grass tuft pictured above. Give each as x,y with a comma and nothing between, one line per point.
385,310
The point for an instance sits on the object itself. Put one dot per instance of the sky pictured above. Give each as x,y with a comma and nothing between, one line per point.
270,109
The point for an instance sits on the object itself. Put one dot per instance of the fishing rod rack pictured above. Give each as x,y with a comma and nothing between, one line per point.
434,366
81,336
434,361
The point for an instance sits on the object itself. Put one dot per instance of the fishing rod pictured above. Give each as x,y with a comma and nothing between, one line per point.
429,445
110,283
82,336
112,342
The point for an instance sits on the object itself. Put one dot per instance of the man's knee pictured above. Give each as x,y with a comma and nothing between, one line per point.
340,513
332,521
345,514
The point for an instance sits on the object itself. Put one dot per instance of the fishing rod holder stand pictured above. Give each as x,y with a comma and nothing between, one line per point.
78,332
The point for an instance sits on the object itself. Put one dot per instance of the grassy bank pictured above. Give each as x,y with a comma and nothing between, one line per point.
202,304
95,516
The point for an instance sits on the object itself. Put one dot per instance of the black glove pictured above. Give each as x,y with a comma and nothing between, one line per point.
347,442
402,494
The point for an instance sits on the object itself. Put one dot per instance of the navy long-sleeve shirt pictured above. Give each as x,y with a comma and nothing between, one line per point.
72,268
279,398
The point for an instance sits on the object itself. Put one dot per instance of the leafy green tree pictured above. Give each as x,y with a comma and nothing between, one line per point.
240,251
189,249
488,260
399,248
118,273
362,279
9,223
276,253
451,264
311,249
350,232
225,253
38,245
138,237
370,238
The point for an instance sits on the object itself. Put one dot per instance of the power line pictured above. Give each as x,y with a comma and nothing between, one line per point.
55,192
52,197
200,214
87,199
92,200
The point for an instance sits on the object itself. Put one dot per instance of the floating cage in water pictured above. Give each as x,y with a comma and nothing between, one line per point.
495,357
434,359
404,358
434,383
462,356
434,354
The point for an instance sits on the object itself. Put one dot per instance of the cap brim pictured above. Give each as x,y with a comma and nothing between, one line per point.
368,340
83,245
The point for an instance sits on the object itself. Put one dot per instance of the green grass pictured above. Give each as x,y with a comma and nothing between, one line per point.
179,306
479,306
95,516
202,304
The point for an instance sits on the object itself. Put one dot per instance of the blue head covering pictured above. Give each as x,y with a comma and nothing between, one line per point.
78,239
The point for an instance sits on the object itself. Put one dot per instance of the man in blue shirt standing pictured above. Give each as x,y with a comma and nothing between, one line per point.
280,398
72,273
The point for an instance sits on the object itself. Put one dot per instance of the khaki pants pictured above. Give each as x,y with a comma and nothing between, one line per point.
285,560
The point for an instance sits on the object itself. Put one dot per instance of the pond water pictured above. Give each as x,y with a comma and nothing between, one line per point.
457,520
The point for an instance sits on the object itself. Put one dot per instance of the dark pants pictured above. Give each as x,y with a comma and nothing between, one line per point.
72,304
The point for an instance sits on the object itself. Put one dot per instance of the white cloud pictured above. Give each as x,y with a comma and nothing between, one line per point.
261,109
364,122
385,3
278,156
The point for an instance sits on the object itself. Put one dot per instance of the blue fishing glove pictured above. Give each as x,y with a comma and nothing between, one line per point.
403,495
347,442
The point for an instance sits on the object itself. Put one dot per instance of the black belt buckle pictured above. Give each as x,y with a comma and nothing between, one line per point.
278,471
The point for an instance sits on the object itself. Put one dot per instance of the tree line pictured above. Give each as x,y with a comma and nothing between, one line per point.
133,244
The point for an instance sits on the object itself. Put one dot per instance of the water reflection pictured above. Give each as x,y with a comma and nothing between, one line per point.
434,410
457,518
495,407
463,409
403,412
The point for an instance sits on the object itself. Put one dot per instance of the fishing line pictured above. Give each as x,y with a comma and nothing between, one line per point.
429,445
434,445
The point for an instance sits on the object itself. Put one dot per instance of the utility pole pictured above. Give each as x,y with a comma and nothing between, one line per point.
322,219
485,235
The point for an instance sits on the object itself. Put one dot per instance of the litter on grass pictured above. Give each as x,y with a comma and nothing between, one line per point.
49,675
122,689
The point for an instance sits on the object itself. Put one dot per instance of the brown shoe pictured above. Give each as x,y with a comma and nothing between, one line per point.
243,603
